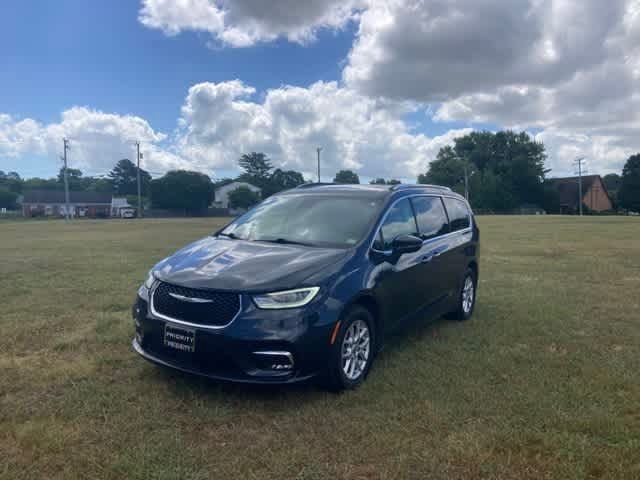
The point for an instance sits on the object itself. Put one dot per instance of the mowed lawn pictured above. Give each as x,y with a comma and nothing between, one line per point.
543,382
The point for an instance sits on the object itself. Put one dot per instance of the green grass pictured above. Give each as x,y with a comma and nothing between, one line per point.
542,383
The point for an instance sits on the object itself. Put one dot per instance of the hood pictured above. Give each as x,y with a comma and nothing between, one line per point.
226,264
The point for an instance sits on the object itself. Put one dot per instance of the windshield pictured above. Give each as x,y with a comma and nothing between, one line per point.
315,220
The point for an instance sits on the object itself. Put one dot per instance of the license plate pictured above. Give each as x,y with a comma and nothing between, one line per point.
179,338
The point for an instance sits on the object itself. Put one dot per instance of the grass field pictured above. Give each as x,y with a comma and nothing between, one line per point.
543,382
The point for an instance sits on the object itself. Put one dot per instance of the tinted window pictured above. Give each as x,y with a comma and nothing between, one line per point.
399,221
458,214
314,219
432,221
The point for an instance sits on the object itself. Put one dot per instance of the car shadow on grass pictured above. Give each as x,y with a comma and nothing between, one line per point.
416,331
178,381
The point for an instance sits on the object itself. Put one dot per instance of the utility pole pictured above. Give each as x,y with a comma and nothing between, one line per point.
579,161
65,147
138,177
319,149
466,184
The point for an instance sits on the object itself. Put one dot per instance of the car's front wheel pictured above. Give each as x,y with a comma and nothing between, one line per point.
352,350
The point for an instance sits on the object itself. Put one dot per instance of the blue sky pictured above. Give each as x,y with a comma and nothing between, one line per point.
59,54
200,82
97,54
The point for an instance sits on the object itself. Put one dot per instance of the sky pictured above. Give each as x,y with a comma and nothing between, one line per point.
380,85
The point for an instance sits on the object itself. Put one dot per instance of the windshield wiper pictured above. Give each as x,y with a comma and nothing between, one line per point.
284,241
231,235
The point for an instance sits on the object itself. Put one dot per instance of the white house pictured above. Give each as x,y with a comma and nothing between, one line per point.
118,204
222,193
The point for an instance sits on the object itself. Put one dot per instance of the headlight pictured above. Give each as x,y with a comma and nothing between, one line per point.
148,283
286,299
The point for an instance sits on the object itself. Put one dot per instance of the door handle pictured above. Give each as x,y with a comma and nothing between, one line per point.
432,254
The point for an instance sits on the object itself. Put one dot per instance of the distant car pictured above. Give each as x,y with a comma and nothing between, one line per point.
127,213
310,283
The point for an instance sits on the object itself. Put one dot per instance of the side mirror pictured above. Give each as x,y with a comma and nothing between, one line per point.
406,244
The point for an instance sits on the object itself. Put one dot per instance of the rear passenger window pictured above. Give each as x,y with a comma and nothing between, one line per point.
399,221
459,216
432,221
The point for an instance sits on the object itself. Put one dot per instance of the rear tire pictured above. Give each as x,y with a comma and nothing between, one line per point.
352,352
466,301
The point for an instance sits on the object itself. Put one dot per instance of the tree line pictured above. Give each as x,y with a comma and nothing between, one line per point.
501,171
178,189
505,170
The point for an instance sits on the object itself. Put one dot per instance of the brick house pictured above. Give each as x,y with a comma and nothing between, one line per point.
594,194
51,203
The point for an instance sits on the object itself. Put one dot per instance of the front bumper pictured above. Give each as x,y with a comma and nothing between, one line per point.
216,376
229,354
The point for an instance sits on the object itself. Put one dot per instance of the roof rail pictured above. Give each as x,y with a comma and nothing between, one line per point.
313,184
404,186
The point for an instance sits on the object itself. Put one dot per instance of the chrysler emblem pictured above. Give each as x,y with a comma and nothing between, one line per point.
190,299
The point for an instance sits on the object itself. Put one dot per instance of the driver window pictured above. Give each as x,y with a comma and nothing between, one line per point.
399,221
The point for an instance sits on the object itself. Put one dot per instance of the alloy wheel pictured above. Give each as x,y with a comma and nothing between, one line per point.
356,348
467,295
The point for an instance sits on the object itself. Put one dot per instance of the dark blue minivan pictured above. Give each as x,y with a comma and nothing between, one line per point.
309,283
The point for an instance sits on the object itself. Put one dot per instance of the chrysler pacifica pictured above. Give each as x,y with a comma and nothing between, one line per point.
310,283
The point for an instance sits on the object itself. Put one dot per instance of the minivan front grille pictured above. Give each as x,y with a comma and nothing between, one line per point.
201,307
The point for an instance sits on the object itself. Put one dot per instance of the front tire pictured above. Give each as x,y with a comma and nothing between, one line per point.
352,352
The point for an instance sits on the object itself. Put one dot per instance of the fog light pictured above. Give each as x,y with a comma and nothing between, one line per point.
276,361
281,366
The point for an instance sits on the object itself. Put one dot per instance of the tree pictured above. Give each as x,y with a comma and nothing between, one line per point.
282,180
382,181
97,184
37,183
504,169
124,179
182,189
612,183
11,181
243,197
74,178
8,198
346,176
629,193
550,198
448,170
257,169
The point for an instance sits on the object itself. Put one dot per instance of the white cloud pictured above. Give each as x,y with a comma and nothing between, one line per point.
219,123
603,154
97,140
242,23
569,67
434,50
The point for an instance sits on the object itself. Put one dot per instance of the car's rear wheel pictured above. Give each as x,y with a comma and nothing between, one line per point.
467,297
352,350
